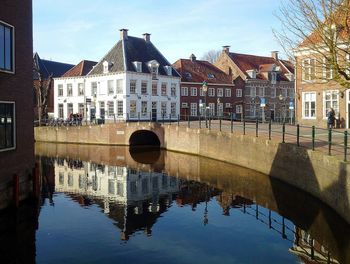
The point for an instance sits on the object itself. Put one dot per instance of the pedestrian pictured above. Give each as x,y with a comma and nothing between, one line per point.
330,118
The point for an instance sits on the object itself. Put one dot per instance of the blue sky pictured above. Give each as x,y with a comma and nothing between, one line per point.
72,30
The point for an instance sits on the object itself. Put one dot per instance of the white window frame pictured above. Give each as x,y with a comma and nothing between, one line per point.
238,92
325,109
60,90
81,89
14,125
228,92
193,109
211,92
220,92
133,84
184,91
327,69
304,94
193,91
238,109
308,69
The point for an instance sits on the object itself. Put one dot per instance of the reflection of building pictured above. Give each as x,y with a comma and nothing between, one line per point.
16,104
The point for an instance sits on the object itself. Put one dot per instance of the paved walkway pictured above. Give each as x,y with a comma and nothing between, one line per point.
336,148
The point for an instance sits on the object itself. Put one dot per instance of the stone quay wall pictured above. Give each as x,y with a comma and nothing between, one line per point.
325,177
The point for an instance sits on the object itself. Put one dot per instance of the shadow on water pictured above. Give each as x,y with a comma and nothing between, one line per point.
319,234
315,218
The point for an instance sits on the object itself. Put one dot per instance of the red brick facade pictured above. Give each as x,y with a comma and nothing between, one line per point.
17,87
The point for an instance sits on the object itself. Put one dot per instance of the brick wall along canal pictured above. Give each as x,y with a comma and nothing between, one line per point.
105,204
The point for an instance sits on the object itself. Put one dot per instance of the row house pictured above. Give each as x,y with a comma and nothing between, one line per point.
205,89
269,83
43,71
318,86
16,111
132,81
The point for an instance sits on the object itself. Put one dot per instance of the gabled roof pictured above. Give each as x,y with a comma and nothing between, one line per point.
47,67
81,69
246,62
200,71
129,50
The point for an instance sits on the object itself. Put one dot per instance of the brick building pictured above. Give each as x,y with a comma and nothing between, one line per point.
269,83
223,96
16,111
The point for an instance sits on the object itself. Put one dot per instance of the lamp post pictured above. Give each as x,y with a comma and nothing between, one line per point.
283,106
205,89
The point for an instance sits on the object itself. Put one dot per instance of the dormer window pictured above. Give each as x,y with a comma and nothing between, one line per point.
273,77
138,66
168,70
211,76
252,73
188,75
106,66
153,68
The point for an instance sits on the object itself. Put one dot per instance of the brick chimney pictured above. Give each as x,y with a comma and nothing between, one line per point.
274,54
147,37
123,34
193,58
226,49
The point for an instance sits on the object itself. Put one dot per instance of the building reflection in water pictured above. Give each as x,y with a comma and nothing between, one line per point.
135,196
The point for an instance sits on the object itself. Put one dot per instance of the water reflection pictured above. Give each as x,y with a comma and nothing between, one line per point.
136,194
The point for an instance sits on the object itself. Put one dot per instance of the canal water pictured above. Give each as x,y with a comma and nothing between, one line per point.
119,205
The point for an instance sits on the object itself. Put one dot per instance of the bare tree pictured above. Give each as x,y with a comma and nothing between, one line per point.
319,28
42,88
211,55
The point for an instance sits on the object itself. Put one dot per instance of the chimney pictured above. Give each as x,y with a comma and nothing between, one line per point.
147,37
123,34
193,58
274,54
226,49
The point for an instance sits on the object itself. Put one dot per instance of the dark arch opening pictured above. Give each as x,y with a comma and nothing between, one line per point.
144,138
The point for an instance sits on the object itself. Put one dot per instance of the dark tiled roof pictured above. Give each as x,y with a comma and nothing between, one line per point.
46,67
200,71
247,62
81,69
135,49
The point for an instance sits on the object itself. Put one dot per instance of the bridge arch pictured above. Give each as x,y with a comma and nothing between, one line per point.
144,138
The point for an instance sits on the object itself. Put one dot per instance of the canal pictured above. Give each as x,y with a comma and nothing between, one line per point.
102,204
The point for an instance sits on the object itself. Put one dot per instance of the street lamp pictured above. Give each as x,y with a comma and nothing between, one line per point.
205,89
283,103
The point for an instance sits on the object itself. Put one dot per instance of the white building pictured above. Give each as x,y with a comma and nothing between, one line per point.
132,81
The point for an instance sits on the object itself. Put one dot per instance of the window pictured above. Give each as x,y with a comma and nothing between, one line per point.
69,89
273,92
119,86
102,109
138,66
308,69
110,108
81,109
94,89
227,105
60,90
111,186
132,86
163,89
144,108
261,91
211,92
212,109
173,89
184,91
81,89
220,92
201,92
173,109
168,70
110,87
119,108
193,91
105,66
144,87
327,70
227,92
7,125
6,47
163,109
238,109
60,111
238,92
330,100
120,189
309,105
154,88
154,72
133,108
193,109
273,77
69,109
220,109
184,105
252,91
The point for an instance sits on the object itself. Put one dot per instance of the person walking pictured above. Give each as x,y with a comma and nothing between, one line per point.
330,118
